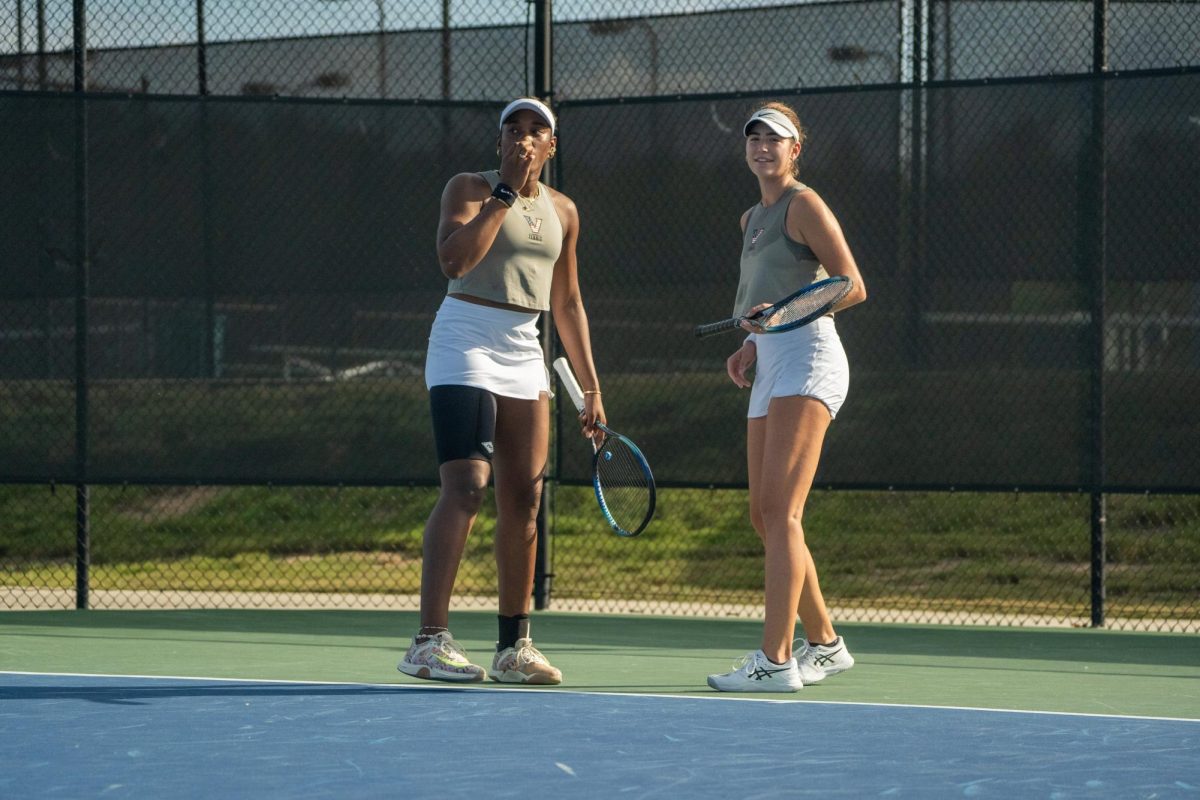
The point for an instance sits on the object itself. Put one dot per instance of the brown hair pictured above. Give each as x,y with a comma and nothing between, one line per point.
790,113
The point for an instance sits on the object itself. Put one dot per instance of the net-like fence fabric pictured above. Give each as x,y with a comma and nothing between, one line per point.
262,192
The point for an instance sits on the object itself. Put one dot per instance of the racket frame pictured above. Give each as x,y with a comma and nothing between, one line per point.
735,322
563,368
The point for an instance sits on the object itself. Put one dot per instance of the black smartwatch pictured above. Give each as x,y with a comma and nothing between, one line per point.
505,194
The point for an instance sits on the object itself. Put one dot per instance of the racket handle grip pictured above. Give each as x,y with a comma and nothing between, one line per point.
717,327
563,368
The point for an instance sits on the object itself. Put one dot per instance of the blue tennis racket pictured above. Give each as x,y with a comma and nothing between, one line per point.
620,473
813,301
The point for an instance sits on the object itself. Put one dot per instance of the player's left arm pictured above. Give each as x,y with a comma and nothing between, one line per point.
570,317
810,220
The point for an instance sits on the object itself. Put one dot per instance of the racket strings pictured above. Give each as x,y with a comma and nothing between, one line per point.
805,305
623,483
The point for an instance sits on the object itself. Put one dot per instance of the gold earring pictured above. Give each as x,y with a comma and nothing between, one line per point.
552,152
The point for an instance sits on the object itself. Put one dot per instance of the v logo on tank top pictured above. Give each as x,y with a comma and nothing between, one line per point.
535,227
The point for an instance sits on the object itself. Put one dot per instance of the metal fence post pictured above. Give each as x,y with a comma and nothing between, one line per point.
82,495
41,45
20,46
544,88
1095,252
212,361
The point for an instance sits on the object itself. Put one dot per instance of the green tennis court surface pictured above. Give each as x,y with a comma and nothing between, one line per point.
1080,671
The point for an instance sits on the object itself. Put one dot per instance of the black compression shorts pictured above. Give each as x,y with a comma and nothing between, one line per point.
464,422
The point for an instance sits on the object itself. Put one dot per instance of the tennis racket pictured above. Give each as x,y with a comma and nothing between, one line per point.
793,311
620,474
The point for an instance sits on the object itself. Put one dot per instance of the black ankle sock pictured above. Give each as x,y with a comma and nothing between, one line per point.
511,629
836,639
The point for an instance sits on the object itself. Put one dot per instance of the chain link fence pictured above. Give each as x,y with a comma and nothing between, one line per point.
247,424
483,51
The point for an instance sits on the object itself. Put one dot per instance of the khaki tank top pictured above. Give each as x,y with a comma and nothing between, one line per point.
519,267
774,264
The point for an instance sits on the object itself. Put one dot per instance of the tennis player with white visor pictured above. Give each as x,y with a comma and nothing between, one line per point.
790,239
507,244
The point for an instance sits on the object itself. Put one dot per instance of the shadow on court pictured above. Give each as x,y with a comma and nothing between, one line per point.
150,691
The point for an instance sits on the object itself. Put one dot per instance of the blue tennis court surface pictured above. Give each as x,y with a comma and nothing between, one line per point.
91,736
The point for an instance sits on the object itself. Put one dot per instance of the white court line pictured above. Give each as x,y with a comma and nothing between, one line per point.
528,691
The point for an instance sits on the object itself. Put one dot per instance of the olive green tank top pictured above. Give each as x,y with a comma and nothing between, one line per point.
774,264
519,267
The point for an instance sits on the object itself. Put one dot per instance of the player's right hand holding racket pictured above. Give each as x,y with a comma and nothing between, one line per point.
621,476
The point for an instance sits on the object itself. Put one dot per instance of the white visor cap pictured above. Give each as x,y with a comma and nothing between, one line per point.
529,104
776,121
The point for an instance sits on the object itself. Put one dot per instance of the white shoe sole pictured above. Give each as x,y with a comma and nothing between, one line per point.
814,676
835,669
757,686
422,671
515,676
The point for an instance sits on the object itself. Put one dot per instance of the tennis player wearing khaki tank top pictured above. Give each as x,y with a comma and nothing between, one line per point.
507,243
800,379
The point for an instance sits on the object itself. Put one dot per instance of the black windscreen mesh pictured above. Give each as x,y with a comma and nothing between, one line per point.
263,277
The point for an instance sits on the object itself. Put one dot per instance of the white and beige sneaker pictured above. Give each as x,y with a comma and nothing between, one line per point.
439,658
523,663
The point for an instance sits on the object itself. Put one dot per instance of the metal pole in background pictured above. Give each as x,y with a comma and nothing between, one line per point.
543,53
447,74
908,73
41,44
211,334
201,51
919,178
1093,248
20,45
382,44
445,51
544,88
82,498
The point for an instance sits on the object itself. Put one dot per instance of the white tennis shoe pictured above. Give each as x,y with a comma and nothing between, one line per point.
830,659
754,672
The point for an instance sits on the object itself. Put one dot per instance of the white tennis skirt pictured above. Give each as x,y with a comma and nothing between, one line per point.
490,348
807,362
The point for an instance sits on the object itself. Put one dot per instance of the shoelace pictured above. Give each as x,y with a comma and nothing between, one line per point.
455,649
528,654
747,662
446,645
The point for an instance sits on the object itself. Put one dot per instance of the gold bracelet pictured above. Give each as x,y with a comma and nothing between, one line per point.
592,391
